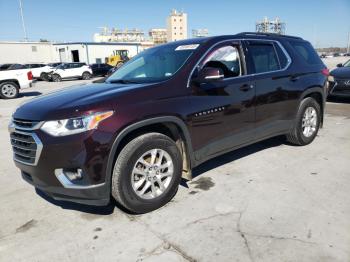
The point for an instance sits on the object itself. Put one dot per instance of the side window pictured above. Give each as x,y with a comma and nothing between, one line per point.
281,56
306,51
225,58
263,57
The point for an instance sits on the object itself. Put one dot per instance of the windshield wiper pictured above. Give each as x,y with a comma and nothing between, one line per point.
122,81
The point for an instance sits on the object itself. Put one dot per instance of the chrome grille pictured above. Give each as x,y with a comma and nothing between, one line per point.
25,124
25,143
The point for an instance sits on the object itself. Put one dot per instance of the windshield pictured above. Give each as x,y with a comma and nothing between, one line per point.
154,64
347,64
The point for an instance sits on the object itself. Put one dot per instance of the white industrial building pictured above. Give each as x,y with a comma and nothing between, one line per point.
92,52
45,52
27,52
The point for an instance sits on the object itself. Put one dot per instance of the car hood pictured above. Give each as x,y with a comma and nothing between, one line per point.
73,101
341,72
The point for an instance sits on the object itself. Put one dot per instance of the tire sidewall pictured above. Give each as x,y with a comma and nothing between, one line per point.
9,83
56,78
129,196
86,76
306,103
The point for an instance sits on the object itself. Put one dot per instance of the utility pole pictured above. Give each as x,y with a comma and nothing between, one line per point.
348,47
23,25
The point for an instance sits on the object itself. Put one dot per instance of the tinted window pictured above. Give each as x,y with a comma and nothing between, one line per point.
225,58
264,58
16,66
281,56
307,52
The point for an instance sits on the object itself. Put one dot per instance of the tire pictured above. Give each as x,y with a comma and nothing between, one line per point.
86,76
56,78
123,177
9,90
299,135
44,76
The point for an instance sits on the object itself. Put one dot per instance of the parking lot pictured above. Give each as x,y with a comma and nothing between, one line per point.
266,202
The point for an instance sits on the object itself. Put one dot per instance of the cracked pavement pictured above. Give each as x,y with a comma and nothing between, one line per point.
266,202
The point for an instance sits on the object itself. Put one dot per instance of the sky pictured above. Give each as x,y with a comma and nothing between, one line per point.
324,23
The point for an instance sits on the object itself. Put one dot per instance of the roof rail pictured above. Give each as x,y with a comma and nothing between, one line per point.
267,35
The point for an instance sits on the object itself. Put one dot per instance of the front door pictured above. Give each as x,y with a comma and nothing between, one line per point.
225,114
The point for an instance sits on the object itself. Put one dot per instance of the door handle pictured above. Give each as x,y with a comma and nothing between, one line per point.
294,78
246,87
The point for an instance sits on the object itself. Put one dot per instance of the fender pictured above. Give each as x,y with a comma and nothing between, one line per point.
315,89
319,90
146,122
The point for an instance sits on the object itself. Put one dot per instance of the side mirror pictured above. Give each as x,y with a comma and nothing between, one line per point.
210,74
340,65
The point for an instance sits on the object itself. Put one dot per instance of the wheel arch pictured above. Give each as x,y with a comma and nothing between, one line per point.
15,81
171,126
317,94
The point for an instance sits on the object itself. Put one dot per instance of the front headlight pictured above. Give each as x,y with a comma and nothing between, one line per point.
74,125
331,78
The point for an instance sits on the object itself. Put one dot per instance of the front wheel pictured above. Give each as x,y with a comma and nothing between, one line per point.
86,76
307,123
8,90
147,173
56,78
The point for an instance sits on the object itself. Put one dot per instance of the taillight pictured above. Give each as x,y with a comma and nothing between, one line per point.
325,72
30,75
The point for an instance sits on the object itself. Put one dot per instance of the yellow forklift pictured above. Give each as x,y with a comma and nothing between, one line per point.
118,58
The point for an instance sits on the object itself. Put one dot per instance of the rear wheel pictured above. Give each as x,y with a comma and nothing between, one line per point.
147,173
44,76
86,76
56,78
307,123
9,90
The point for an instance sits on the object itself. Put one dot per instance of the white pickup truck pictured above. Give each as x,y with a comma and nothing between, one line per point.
11,81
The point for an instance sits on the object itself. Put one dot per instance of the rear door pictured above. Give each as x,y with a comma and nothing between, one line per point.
267,61
224,110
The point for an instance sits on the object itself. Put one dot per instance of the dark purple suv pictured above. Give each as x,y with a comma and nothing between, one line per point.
163,113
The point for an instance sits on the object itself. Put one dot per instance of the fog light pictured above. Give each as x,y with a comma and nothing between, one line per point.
73,174
69,177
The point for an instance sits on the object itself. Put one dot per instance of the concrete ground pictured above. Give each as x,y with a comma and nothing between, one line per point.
266,202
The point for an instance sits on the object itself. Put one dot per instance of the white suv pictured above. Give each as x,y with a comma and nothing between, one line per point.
71,70
39,71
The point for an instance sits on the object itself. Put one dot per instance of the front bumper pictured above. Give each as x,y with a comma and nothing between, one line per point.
86,151
339,88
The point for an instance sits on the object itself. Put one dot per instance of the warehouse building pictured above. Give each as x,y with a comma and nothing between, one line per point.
45,52
92,52
27,52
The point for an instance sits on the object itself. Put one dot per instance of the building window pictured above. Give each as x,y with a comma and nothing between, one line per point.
174,33
180,27
174,20
34,48
174,27
180,20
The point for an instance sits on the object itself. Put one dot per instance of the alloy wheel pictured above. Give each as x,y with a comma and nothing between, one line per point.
9,90
152,174
309,122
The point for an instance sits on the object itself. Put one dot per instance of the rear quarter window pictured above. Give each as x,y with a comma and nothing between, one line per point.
281,56
306,52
